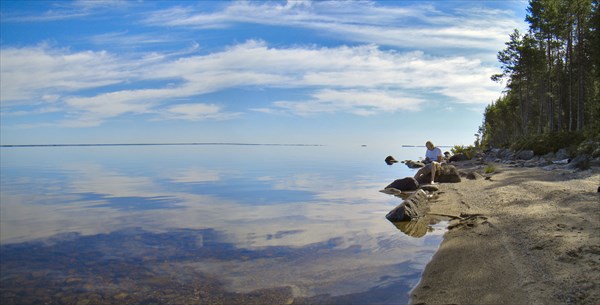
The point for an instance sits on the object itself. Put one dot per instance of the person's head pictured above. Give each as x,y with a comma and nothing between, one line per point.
429,145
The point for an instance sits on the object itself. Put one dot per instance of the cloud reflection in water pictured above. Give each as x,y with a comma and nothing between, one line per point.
319,233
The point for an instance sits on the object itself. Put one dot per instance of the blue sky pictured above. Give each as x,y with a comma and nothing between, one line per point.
340,72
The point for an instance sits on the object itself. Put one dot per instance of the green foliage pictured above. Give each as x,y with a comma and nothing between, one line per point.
549,142
500,124
590,148
489,169
469,151
552,75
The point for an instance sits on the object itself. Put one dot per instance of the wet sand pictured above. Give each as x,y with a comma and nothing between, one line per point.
527,236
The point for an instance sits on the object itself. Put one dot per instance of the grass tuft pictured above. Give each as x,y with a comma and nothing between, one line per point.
489,169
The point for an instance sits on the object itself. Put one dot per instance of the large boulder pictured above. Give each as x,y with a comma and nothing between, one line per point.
525,154
562,154
448,174
473,175
404,184
549,156
534,162
580,162
413,207
500,153
458,157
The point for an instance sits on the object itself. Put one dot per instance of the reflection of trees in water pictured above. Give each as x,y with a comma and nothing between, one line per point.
417,227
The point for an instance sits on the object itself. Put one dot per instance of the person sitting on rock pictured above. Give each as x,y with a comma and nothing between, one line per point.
433,160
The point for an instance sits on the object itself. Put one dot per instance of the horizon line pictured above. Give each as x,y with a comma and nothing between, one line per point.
185,144
156,144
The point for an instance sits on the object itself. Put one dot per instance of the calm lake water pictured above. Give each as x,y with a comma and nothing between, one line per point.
206,224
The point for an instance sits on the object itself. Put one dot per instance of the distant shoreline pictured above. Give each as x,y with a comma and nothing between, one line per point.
410,146
185,144
154,144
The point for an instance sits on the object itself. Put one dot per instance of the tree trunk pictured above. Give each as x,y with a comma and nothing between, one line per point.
570,85
580,57
549,101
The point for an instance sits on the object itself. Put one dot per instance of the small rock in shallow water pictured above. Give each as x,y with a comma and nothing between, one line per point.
389,160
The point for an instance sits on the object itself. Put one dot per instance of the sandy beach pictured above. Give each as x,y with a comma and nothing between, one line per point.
527,236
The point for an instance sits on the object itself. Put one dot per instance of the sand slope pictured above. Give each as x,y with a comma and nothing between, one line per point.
529,236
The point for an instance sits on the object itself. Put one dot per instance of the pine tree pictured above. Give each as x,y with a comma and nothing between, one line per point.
552,75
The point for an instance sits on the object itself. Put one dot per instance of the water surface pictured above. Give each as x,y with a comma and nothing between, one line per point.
205,224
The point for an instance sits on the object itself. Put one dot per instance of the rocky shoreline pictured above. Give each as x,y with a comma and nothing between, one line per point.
481,167
551,161
528,232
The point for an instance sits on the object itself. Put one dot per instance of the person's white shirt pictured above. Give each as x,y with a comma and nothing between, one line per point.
433,154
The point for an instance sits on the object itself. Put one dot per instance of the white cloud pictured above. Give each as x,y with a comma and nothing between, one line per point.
92,111
128,39
197,112
195,175
362,80
64,10
363,103
416,26
365,67
33,74
92,86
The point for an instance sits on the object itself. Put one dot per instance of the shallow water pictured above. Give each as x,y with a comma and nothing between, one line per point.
205,224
